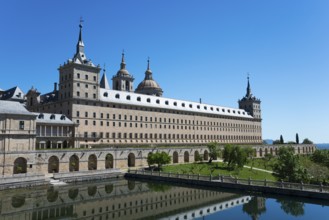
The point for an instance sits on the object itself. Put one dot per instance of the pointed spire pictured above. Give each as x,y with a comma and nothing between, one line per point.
104,83
248,94
148,72
80,44
123,64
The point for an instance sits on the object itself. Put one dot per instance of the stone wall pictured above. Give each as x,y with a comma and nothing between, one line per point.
49,161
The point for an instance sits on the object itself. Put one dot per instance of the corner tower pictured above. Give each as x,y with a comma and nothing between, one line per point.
123,81
250,103
79,77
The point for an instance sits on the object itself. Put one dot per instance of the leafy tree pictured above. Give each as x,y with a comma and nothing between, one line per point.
288,166
234,156
267,158
321,157
297,138
307,141
159,159
251,154
214,151
291,207
281,140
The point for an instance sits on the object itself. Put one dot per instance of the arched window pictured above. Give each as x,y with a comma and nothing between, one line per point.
131,160
109,161
175,157
186,157
20,165
106,94
117,96
53,164
205,155
128,97
74,163
92,162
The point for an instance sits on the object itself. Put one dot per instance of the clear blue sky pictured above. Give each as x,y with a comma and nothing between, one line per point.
198,49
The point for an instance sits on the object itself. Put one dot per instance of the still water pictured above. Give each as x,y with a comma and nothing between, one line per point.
129,199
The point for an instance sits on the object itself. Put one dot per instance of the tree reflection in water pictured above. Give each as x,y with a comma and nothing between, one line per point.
255,207
293,208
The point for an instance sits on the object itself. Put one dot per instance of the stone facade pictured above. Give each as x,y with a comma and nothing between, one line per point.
123,117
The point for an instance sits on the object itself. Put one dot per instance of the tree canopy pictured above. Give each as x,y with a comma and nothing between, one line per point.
288,166
235,156
159,158
214,151
307,141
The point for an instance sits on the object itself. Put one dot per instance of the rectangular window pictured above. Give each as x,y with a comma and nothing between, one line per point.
101,115
86,94
94,114
86,114
94,95
95,78
78,114
86,77
86,134
21,125
78,94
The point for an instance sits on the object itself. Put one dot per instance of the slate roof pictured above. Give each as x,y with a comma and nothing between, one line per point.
12,107
49,118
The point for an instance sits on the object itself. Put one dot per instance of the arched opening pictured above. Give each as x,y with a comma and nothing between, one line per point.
131,160
205,155
197,156
20,165
52,194
53,164
73,193
92,162
109,161
74,163
260,152
186,157
92,190
175,157
17,201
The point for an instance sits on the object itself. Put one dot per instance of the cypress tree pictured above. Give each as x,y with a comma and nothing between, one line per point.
297,138
281,140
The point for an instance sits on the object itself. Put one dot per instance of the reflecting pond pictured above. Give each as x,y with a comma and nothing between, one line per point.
130,199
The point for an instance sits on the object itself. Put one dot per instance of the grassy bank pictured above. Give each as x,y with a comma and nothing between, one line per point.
218,168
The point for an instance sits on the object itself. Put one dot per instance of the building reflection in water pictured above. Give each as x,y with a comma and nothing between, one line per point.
115,199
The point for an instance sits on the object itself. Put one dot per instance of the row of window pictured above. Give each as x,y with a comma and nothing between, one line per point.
160,126
119,135
169,120
183,104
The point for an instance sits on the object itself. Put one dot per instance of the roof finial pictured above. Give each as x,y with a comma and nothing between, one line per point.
80,45
148,63
104,68
123,64
248,86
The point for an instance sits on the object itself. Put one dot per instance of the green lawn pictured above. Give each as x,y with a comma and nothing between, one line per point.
217,169
262,164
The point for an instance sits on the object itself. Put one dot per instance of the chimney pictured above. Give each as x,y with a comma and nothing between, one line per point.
55,87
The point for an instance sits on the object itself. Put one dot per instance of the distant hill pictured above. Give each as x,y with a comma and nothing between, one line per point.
268,141
322,146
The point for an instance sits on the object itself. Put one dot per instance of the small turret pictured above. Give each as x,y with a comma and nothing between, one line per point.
123,81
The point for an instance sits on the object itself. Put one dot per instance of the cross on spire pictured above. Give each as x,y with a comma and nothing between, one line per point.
81,21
